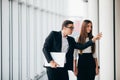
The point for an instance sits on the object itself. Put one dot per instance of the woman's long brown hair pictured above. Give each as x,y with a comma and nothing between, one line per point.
84,35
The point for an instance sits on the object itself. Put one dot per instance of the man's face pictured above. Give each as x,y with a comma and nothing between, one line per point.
69,29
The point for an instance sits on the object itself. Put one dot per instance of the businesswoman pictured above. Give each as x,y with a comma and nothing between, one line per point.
87,66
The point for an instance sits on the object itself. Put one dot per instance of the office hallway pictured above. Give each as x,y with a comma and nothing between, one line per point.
24,25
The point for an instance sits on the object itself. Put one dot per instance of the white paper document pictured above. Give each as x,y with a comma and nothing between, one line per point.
58,57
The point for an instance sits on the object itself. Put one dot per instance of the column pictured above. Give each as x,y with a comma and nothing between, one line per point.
106,43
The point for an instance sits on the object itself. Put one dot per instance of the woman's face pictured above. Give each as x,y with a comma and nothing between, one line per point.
89,28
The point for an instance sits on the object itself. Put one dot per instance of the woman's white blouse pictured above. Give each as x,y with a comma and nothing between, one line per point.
85,51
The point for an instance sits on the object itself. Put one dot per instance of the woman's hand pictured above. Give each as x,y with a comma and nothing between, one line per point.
76,71
97,70
97,37
53,64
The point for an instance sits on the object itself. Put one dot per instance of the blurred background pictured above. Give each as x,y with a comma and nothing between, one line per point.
24,25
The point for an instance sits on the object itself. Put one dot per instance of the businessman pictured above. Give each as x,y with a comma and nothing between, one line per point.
62,42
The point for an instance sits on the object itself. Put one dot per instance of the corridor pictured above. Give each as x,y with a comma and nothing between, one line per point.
24,25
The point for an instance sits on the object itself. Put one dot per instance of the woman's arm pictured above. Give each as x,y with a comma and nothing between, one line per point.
97,67
96,63
89,43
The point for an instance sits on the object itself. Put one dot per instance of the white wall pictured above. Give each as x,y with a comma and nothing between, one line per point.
93,14
106,43
117,32
77,8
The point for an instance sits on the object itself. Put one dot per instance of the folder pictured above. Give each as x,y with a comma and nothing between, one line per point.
58,57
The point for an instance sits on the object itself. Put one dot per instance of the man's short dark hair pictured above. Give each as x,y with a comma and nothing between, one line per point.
66,22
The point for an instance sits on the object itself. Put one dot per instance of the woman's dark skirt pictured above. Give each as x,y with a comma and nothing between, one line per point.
86,67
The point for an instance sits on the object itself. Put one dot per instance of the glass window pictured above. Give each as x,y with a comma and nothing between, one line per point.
37,3
31,43
15,40
44,5
28,41
44,25
20,41
14,0
23,1
49,22
30,2
49,4
39,46
35,40
28,28
54,6
23,33
5,40
41,40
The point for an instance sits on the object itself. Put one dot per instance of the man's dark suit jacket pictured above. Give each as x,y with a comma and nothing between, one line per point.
53,43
